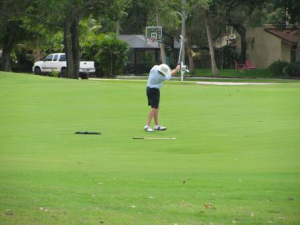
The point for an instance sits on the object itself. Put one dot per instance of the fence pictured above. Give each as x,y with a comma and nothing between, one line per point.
204,61
141,60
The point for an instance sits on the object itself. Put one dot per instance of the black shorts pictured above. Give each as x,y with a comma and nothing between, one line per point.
153,95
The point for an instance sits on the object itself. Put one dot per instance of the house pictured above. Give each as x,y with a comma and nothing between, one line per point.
266,45
143,54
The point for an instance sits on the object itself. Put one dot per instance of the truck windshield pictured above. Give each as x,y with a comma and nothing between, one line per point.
48,58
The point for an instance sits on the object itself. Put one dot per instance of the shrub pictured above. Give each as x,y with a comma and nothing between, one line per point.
108,52
112,55
276,67
292,69
53,73
230,55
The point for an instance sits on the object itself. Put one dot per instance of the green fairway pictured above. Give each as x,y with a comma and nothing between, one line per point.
235,160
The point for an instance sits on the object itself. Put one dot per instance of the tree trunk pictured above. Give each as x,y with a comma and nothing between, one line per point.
161,45
75,47
241,29
118,27
6,65
68,51
214,67
7,48
71,43
163,53
37,53
190,56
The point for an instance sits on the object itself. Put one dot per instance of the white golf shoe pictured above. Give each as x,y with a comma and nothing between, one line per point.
148,129
160,128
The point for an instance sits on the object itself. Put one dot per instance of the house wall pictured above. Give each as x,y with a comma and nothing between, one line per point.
286,52
264,48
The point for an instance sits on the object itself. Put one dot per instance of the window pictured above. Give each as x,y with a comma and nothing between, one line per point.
48,58
55,58
62,58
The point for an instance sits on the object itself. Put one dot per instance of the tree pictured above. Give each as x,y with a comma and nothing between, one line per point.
203,34
158,23
288,14
214,67
70,24
237,13
195,32
118,12
65,15
137,16
289,17
12,30
165,13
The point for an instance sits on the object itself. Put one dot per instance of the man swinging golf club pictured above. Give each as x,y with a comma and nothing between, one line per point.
158,74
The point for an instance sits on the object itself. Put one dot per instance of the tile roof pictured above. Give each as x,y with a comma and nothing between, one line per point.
288,35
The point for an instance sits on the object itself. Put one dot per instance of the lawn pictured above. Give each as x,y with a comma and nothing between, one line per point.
235,159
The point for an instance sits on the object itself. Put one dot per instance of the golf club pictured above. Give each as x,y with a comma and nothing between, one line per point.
87,132
149,138
179,58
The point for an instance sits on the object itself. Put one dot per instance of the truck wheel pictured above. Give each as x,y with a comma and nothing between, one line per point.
37,71
84,75
63,72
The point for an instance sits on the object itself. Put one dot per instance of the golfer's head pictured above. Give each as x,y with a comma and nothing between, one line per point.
164,69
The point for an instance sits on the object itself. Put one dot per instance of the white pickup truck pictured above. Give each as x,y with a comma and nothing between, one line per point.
57,62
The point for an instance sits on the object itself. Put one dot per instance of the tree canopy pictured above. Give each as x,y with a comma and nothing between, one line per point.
45,26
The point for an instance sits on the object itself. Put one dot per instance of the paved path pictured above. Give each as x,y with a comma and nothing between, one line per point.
136,78
233,83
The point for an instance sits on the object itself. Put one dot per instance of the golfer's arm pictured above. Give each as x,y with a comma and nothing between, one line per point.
173,72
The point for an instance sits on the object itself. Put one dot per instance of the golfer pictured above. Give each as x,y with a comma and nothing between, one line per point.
158,74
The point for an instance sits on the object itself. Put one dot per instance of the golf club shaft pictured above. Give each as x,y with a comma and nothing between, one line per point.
179,57
149,138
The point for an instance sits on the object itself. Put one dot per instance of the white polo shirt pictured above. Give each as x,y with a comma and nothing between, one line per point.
156,79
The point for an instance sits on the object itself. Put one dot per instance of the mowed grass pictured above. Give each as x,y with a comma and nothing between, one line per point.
235,159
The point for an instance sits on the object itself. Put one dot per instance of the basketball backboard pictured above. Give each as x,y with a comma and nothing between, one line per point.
153,33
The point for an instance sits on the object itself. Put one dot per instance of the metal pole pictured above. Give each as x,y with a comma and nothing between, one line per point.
183,18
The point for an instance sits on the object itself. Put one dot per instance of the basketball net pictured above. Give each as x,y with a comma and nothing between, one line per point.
153,39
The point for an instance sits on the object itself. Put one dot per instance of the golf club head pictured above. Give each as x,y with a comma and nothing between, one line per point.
184,68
